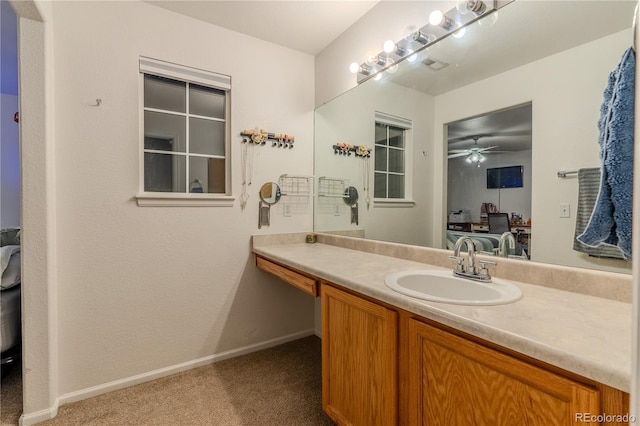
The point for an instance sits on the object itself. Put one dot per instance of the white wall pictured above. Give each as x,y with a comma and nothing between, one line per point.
38,237
10,166
143,288
467,185
351,119
566,92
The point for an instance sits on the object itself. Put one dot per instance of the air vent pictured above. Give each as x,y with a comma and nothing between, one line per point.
434,64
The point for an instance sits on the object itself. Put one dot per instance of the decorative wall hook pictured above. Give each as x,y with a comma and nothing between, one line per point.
343,148
98,102
261,137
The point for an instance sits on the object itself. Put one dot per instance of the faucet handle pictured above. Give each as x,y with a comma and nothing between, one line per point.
483,271
459,267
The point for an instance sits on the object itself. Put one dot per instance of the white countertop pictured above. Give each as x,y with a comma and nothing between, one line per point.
586,335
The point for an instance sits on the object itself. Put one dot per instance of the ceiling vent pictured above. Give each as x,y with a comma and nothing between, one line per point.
434,64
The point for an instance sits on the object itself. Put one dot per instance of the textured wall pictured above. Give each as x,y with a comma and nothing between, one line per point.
143,288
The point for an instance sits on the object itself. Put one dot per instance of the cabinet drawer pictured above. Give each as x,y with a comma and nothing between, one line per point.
296,279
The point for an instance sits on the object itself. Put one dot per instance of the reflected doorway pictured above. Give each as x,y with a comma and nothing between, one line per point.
489,171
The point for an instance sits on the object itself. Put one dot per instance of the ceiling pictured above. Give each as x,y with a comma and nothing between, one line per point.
307,26
506,130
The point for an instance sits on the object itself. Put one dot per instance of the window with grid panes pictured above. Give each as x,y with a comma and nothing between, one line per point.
389,161
186,128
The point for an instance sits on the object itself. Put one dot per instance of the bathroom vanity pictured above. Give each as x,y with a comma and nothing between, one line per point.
553,357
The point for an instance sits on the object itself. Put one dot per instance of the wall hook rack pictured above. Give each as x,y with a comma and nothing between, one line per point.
262,137
342,148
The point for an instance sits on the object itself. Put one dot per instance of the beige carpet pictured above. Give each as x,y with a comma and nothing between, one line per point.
276,386
11,396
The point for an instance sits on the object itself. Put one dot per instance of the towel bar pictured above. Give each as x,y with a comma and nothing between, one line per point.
565,173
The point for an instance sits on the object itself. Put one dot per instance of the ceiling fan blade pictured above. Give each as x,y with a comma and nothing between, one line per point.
458,151
458,154
486,149
465,138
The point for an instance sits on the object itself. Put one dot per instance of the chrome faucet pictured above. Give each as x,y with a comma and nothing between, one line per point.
471,250
507,241
470,270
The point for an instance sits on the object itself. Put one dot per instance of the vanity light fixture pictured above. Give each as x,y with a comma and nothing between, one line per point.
391,66
440,26
422,38
365,69
381,60
476,7
391,47
437,18
460,33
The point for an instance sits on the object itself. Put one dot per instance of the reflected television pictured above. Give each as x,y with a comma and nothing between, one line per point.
504,177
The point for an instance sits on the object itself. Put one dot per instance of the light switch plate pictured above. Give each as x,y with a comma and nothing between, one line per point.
565,210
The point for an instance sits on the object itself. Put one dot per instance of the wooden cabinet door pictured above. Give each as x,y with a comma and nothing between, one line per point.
454,381
359,360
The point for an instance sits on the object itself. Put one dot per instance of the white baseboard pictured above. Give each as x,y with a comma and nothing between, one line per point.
39,416
49,413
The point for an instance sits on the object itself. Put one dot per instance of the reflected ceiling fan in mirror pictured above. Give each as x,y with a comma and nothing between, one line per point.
474,155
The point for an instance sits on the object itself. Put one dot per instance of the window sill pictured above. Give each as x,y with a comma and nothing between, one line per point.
158,199
393,203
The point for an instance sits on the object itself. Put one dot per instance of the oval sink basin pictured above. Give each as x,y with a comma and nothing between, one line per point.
443,286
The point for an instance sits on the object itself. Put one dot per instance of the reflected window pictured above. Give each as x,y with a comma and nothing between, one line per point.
390,148
186,129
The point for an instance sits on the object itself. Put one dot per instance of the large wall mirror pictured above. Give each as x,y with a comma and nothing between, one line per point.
524,91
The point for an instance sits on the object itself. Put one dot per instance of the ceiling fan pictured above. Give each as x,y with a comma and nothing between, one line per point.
474,154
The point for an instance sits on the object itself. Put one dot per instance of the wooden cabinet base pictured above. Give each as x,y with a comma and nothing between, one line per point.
458,382
385,366
297,279
359,360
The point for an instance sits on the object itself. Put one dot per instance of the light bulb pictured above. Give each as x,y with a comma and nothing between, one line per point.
412,56
409,31
389,46
489,20
460,32
354,67
392,66
462,6
436,17
378,76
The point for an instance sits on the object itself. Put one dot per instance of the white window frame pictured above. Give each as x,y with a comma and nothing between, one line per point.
190,75
407,125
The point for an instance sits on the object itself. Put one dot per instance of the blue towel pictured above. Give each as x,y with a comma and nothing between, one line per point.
610,221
